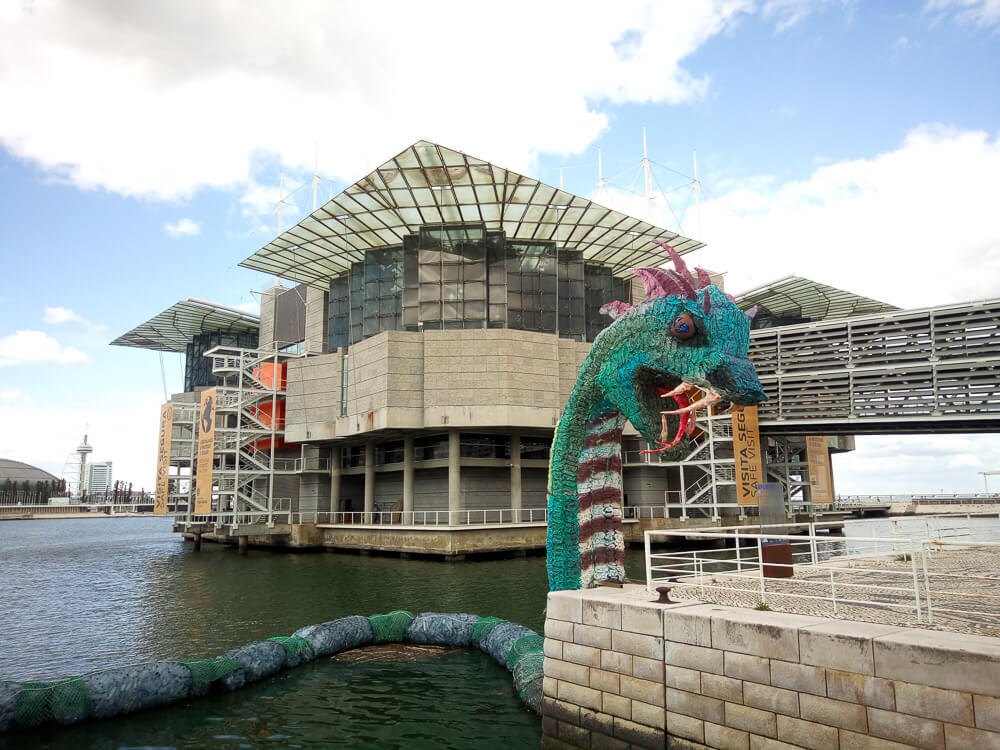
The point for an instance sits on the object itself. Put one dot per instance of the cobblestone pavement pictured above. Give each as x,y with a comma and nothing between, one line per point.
964,587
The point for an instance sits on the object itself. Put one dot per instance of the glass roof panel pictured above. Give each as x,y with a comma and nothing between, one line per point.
797,297
365,215
173,329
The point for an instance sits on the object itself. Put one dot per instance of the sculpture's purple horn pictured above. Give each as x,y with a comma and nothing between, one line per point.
687,288
751,312
706,303
657,282
703,278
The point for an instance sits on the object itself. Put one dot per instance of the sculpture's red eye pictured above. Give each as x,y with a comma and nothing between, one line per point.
683,327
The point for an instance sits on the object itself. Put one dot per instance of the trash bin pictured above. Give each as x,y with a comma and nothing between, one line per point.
777,559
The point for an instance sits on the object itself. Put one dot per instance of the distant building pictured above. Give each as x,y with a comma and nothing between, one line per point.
99,477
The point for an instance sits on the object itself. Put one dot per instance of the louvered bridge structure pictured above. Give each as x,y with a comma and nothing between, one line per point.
911,371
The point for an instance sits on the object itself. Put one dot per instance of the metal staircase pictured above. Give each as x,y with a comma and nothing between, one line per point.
248,428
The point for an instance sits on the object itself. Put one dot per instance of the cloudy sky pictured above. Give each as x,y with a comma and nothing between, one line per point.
142,146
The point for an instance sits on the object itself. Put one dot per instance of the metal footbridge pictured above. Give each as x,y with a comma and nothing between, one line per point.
935,369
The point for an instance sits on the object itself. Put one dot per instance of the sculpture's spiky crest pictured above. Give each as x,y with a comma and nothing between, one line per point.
664,283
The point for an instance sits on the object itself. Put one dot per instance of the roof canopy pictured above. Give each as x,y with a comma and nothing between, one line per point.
173,329
431,184
794,296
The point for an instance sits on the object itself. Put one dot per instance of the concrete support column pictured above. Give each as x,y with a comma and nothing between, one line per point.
369,479
515,477
197,541
454,477
335,473
408,459
244,544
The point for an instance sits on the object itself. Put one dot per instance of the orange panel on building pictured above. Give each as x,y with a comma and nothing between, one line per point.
265,374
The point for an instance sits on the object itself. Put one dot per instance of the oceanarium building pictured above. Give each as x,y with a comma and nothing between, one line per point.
414,376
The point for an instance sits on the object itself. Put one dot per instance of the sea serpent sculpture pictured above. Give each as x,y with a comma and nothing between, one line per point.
686,334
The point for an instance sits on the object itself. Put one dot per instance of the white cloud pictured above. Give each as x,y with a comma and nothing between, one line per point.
914,227
181,228
249,307
171,115
916,463
121,426
57,315
14,394
982,13
789,13
25,347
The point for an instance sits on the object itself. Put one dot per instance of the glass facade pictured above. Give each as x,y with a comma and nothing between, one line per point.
463,276
198,368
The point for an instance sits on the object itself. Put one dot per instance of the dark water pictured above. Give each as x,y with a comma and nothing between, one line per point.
79,595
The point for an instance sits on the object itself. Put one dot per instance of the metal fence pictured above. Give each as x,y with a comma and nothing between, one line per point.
937,571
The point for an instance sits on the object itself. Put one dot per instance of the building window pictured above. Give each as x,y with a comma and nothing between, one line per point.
352,456
472,445
343,387
299,347
531,286
536,448
389,453
600,287
430,448
451,277
339,313
571,300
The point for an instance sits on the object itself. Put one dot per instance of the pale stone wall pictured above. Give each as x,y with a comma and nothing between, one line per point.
317,320
622,672
411,380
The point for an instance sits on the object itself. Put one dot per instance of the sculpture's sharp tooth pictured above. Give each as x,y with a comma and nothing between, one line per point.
708,400
682,388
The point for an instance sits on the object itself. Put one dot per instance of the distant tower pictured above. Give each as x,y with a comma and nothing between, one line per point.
75,470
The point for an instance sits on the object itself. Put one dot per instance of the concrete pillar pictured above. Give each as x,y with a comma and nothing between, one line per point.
369,479
335,479
408,459
196,539
454,476
515,476
244,544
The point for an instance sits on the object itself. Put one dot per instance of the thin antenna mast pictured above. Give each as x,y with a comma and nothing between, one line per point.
600,177
315,177
697,193
281,205
649,178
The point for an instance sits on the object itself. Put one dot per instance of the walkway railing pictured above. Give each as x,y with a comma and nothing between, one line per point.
893,579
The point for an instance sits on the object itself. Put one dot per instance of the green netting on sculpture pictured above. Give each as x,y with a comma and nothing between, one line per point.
528,644
64,701
528,675
483,626
292,643
392,626
206,671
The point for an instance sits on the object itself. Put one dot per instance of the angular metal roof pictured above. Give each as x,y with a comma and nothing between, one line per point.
431,184
794,296
173,329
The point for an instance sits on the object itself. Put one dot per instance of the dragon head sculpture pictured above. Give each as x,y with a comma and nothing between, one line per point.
685,335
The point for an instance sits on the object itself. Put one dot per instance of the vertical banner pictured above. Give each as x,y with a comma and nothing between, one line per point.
747,450
206,453
163,460
820,476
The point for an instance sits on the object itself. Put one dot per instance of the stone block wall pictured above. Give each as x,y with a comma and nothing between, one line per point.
621,672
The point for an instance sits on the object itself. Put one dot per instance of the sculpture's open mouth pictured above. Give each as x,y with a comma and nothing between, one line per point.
671,403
